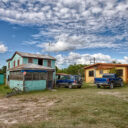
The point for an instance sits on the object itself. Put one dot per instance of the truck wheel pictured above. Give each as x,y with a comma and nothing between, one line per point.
111,86
98,86
121,84
70,86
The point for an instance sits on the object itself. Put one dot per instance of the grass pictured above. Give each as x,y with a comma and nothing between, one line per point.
3,90
82,108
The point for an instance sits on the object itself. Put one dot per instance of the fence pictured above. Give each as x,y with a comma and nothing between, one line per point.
1,79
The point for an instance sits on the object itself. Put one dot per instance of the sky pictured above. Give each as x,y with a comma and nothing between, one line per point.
73,31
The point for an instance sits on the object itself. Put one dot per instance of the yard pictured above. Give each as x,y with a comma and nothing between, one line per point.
87,107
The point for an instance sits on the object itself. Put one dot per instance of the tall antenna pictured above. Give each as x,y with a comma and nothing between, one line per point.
93,60
49,48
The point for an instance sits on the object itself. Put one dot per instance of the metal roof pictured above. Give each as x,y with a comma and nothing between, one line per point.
111,65
23,54
31,66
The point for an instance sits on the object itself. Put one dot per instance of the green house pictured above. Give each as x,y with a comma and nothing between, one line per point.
30,72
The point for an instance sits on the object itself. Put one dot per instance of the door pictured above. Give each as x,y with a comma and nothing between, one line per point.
50,80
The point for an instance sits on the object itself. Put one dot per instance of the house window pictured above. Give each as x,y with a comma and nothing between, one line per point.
101,71
14,63
91,73
40,61
119,72
18,62
30,60
49,63
8,64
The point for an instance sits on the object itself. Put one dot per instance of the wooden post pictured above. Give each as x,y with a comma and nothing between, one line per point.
24,73
23,82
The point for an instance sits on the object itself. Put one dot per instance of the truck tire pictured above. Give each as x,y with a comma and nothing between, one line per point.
121,84
98,86
111,86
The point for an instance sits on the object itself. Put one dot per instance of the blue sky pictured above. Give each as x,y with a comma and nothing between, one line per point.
76,30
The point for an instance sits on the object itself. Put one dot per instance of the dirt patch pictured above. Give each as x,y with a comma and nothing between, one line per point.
20,110
116,94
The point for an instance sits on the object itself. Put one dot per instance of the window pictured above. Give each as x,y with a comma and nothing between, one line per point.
49,63
30,60
35,76
18,62
119,72
40,61
91,73
14,63
8,64
101,71
16,76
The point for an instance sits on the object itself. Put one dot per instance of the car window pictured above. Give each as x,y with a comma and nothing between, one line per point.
65,77
108,76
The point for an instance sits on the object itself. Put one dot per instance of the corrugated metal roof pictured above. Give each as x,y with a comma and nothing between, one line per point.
23,54
31,67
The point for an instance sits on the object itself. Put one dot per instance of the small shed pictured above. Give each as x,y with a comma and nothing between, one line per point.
1,79
31,77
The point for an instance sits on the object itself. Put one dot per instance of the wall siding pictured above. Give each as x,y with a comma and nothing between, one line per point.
53,64
25,60
16,58
35,85
35,61
45,63
16,83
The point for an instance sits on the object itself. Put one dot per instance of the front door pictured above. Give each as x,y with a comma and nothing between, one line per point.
50,80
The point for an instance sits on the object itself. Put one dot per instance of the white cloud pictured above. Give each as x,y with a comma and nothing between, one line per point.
72,24
3,48
76,58
67,43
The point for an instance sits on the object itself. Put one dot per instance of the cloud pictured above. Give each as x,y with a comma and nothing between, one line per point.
76,58
67,43
3,48
71,24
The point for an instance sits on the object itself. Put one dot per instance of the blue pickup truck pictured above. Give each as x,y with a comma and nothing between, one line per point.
69,81
110,80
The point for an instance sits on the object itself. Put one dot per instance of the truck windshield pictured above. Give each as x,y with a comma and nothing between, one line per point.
108,76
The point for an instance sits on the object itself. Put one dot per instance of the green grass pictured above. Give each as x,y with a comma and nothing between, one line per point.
82,108
3,90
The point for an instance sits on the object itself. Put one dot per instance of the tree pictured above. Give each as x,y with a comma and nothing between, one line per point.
76,69
3,69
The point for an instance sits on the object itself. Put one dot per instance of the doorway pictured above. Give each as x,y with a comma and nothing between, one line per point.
50,80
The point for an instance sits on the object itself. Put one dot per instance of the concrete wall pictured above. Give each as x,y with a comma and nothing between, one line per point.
35,85
16,83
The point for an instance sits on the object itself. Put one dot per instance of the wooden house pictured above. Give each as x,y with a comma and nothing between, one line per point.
30,72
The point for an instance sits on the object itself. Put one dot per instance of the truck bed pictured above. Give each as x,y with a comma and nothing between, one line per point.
101,80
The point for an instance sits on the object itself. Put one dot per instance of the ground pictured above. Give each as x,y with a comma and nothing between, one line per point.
87,107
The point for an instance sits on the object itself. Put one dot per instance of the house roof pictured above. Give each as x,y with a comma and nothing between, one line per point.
62,74
31,66
23,54
106,65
